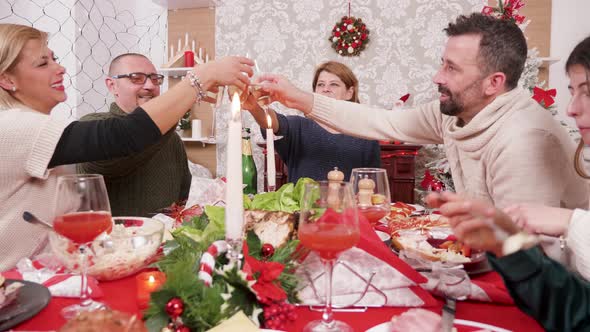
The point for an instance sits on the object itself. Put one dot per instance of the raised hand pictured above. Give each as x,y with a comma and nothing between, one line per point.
474,222
231,70
540,219
285,92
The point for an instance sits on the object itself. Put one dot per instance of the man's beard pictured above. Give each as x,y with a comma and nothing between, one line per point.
450,107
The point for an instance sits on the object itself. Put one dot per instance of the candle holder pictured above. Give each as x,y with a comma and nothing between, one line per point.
147,283
234,252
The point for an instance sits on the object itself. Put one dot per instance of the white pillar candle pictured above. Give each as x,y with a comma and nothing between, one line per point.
179,45
234,200
171,52
196,128
207,58
270,155
186,40
201,53
193,48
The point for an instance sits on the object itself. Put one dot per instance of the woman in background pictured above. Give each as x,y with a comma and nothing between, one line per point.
308,149
34,145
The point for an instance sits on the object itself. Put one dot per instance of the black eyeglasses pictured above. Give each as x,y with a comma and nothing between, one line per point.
140,78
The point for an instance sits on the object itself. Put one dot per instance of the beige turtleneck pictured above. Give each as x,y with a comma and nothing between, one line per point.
512,151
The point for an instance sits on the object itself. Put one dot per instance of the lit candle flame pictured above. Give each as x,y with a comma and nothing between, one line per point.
151,279
235,106
268,121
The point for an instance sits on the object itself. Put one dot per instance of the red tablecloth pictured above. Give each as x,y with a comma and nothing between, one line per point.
120,295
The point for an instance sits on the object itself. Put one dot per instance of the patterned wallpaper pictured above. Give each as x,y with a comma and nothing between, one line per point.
291,38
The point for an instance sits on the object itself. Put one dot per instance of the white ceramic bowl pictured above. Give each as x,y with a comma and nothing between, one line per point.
131,246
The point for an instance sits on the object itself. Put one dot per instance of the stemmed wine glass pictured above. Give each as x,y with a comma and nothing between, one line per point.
371,188
82,213
328,225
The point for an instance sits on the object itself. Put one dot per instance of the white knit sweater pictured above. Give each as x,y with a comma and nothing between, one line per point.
512,151
27,142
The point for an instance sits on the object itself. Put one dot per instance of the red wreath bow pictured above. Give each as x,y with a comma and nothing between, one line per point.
546,96
506,10
427,181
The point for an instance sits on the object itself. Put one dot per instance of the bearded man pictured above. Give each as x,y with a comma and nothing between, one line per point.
501,145
140,184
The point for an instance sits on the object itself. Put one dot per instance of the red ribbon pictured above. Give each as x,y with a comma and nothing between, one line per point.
546,96
405,97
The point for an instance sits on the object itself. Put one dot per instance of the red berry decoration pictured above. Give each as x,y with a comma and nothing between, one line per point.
267,250
277,315
174,307
182,328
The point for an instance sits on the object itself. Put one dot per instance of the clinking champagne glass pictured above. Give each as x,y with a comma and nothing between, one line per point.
371,187
328,225
82,213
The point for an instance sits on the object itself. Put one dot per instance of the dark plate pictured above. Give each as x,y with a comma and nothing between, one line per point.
31,299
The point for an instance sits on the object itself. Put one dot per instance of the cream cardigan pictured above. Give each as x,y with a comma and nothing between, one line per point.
27,141
512,151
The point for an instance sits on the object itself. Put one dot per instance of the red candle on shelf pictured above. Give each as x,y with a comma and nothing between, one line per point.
148,282
189,58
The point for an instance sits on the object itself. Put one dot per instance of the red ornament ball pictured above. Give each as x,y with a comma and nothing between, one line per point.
175,307
437,186
267,250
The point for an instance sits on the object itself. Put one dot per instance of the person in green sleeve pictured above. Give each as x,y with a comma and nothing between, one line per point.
142,183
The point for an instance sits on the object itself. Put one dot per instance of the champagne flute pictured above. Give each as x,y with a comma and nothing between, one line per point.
82,213
371,187
328,225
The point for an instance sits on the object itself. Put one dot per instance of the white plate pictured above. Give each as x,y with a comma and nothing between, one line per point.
419,208
385,327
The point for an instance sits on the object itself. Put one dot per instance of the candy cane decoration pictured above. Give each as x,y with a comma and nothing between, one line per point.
207,263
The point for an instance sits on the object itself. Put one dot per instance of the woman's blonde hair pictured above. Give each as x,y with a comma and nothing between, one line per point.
13,38
343,72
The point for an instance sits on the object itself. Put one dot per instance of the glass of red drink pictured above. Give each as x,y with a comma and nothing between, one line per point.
328,225
82,213
371,189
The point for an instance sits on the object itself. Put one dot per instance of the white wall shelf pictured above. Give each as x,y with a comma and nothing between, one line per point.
548,61
174,72
203,140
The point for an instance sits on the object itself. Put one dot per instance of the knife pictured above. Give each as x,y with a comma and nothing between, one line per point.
448,315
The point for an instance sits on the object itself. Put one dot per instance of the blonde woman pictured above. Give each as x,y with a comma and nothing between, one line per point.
34,145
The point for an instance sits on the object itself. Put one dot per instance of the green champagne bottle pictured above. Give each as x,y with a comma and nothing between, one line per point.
249,173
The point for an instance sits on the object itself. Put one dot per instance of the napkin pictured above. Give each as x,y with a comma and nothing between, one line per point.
205,191
59,284
395,283
237,322
453,281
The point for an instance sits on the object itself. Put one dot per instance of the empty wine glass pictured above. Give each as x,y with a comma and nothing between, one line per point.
82,213
328,225
371,187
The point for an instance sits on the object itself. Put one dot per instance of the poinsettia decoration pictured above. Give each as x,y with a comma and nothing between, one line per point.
349,36
506,10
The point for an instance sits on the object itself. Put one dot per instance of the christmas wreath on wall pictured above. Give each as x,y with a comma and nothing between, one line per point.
349,36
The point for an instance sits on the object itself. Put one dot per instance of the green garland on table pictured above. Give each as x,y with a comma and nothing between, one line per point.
268,283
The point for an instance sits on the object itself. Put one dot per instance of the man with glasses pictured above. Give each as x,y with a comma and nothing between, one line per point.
140,184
